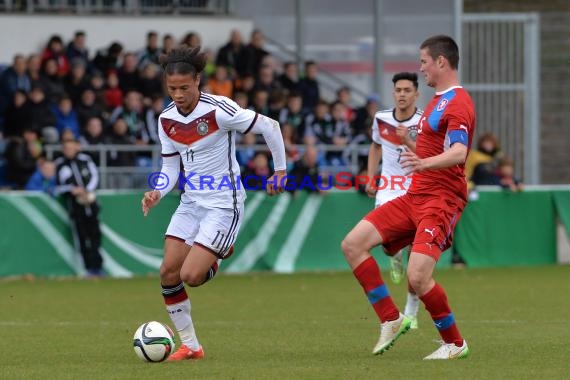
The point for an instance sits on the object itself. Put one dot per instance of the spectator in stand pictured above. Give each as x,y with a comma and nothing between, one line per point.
51,82
241,99
107,60
246,84
151,52
254,53
35,69
93,135
77,80
77,48
245,151
220,83
343,96
319,126
17,116
120,136
128,74
98,85
277,101
87,108
12,79
309,86
55,50
482,163
289,80
113,93
22,153
40,111
152,112
192,39
364,116
232,55
132,112
266,80
306,168
341,135
43,178
168,44
256,171
292,114
289,140
259,102
506,176
66,117
149,82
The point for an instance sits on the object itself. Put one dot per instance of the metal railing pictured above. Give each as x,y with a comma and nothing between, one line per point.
137,176
122,7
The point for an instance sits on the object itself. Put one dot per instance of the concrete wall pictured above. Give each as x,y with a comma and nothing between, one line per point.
27,34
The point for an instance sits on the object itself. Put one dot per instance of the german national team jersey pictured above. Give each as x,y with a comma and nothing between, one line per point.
205,141
449,118
384,133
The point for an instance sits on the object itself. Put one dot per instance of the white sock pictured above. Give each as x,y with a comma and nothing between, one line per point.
180,316
412,305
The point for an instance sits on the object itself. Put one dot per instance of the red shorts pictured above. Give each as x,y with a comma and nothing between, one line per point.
425,221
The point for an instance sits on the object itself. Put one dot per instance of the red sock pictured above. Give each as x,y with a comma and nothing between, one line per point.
368,274
436,303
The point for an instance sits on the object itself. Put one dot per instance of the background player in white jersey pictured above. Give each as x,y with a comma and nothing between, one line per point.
200,129
394,131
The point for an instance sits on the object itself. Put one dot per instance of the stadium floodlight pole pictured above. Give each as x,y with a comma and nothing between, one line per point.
300,32
378,45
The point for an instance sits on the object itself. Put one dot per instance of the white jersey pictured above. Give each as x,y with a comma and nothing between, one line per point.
384,134
205,141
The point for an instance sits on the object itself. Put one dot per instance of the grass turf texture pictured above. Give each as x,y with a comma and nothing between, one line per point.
311,326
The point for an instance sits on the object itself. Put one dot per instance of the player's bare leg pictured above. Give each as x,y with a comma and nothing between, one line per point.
356,248
420,271
176,299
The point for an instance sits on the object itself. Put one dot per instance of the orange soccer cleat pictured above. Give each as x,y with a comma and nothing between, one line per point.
186,353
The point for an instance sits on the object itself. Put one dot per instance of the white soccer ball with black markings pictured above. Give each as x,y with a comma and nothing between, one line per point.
153,342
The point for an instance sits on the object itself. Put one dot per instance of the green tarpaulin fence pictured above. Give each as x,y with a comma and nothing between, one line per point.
282,234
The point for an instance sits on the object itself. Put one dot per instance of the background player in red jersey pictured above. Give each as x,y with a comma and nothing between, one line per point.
426,215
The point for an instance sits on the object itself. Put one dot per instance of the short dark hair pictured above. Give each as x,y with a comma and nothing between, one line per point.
183,60
442,45
412,77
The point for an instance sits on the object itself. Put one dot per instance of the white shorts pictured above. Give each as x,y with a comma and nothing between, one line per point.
385,196
215,229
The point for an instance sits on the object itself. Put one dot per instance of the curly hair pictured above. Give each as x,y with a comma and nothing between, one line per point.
183,60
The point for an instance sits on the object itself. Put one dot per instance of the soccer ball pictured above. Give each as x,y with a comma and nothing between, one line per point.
153,342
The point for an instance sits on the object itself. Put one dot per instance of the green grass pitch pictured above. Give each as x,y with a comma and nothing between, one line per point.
302,326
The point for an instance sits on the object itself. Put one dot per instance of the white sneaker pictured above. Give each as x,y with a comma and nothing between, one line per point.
449,351
389,332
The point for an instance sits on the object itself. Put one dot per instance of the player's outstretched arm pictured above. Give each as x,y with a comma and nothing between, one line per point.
455,155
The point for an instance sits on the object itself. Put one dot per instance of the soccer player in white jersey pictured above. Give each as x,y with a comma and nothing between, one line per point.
200,130
394,131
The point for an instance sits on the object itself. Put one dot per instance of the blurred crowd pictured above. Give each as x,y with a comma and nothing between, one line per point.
114,96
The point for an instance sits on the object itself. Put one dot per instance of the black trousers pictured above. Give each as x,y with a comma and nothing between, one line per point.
87,231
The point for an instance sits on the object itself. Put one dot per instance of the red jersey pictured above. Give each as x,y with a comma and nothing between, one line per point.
449,118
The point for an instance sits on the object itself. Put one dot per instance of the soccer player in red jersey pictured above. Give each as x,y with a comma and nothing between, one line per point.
426,215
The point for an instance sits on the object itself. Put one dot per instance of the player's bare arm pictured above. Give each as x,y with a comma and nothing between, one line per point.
374,157
456,155
149,200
